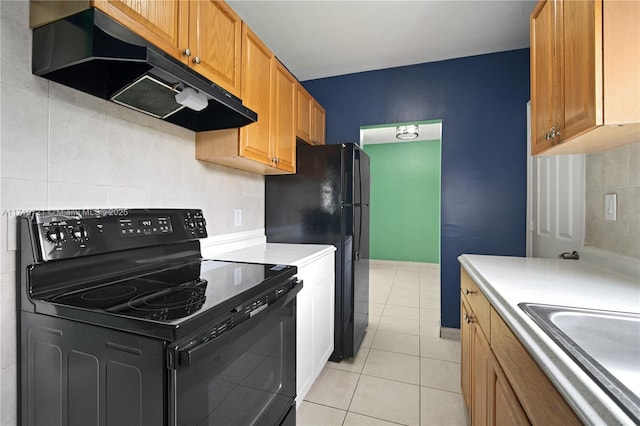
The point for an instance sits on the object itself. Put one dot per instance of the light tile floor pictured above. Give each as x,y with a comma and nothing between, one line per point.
403,373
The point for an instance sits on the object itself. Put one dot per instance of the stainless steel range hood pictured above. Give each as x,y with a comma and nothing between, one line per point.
91,52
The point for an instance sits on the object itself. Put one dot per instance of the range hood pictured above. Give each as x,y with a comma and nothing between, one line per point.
92,53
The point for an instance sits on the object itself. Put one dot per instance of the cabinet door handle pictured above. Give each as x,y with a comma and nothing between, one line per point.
552,134
468,319
467,291
186,52
196,60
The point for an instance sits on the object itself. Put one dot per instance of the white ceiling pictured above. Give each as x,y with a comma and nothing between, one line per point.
378,135
323,38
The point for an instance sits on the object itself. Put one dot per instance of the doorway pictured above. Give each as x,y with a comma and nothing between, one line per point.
405,190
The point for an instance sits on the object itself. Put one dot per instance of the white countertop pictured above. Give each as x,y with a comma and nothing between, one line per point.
507,281
285,254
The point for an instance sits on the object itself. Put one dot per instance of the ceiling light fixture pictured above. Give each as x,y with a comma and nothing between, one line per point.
407,132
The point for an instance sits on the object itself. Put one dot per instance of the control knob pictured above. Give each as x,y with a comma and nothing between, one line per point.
56,235
79,232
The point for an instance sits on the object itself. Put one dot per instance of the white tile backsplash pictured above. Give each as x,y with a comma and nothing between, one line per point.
61,148
15,42
127,154
7,316
24,133
63,195
616,171
77,138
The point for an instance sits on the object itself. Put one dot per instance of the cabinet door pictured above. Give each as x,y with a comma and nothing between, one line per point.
318,124
581,67
164,23
465,346
480,363
504,407
545,74
283,126
257,72
215,41
304,103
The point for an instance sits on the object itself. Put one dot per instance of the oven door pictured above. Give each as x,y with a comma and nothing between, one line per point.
244,376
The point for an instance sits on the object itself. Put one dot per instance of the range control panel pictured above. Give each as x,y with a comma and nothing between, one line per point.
74,233
145,226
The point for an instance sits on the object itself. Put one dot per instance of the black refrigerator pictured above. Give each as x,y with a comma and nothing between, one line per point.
327,202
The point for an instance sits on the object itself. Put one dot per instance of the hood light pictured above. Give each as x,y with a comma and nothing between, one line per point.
407,132
193,99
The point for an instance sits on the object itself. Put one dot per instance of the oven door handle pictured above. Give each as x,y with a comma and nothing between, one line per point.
179,358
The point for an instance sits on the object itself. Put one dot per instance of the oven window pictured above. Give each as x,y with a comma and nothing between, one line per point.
246,376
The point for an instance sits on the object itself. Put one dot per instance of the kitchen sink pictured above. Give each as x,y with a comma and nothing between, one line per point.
606,345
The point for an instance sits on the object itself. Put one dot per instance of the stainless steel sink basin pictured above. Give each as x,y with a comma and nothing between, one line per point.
606,344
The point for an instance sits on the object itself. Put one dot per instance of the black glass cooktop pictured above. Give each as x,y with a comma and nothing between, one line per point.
173,294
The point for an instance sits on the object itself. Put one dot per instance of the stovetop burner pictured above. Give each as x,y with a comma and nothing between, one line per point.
171,295
108,293
145,298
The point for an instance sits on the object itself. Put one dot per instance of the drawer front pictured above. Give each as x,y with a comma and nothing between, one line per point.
541,401
477,302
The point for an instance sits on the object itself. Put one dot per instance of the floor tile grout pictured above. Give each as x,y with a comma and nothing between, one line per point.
401,277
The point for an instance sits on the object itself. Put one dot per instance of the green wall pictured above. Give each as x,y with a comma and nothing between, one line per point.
405,201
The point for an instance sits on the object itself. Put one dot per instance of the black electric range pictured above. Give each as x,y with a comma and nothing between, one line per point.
104,283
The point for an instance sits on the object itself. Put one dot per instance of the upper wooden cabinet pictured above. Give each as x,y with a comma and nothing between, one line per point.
257,73
268,145
585,62
319,117
304,103
311,118
215,41
163,23
283,118
204,34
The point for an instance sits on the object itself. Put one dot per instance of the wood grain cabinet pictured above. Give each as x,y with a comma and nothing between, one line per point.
476,354
311,118
204,34
268,145
585,62
501,383
504,407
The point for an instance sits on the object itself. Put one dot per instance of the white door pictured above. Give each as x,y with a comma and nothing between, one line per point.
556,204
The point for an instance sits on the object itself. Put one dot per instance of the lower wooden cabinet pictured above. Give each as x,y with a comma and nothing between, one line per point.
465,353
501,383
480,373
504,407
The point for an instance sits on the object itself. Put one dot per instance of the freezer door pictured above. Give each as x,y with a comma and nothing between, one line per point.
361,248
305,208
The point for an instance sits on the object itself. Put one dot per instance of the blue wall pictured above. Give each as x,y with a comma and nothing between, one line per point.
482,103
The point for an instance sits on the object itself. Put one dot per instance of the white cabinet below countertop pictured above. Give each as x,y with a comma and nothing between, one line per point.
315,302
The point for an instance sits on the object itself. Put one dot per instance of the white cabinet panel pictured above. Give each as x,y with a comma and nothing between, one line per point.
315,319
